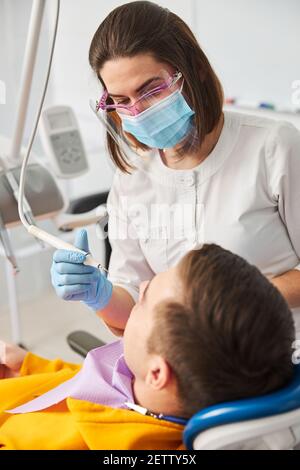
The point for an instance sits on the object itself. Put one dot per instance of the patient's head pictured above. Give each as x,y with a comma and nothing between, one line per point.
213,329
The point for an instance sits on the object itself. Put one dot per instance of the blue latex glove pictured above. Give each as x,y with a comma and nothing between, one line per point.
72,280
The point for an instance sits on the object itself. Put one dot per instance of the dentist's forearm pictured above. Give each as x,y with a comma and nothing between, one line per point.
289,286
117,312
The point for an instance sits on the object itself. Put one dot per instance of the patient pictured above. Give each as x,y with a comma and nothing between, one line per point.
210,330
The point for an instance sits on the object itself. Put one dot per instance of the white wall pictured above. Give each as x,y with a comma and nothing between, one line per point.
253,45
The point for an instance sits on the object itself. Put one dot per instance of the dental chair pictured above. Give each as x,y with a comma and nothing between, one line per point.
270,422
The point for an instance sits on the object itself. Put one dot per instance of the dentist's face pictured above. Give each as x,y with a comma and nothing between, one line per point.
163,287
127,78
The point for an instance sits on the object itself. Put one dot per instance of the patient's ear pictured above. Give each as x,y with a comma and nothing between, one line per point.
159,373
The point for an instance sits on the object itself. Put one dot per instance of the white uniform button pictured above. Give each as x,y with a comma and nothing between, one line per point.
190,180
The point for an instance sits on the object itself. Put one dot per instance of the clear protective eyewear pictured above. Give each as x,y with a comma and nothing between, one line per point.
166,84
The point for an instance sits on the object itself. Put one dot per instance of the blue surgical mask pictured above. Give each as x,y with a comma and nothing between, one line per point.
163,125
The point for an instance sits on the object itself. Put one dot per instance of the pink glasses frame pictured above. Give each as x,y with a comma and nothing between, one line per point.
101,104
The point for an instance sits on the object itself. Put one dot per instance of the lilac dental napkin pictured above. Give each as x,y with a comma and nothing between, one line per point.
104,379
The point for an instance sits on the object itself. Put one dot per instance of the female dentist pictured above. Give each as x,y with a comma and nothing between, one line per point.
203,175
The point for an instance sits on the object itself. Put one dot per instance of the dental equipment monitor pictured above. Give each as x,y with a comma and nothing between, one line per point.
62,140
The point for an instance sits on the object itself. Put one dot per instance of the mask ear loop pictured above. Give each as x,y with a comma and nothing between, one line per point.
180,89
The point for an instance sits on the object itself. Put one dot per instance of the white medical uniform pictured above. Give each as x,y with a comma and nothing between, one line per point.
245,196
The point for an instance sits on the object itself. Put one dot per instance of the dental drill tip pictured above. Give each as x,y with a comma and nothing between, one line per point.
102,268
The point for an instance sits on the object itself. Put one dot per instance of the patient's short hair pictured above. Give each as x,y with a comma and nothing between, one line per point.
232,336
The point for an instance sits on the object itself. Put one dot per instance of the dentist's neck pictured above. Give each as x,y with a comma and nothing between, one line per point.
189,161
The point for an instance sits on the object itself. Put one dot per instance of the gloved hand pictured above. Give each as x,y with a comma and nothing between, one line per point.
72,280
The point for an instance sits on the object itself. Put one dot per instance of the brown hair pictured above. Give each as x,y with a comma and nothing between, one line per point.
232,336
145,27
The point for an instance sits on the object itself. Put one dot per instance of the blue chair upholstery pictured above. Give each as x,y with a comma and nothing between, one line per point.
281,401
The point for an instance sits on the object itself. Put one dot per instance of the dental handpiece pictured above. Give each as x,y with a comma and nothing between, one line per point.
61,244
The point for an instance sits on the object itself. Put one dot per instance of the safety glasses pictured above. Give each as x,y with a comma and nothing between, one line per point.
166,85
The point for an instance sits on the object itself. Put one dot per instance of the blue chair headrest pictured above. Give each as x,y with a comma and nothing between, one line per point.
281,401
